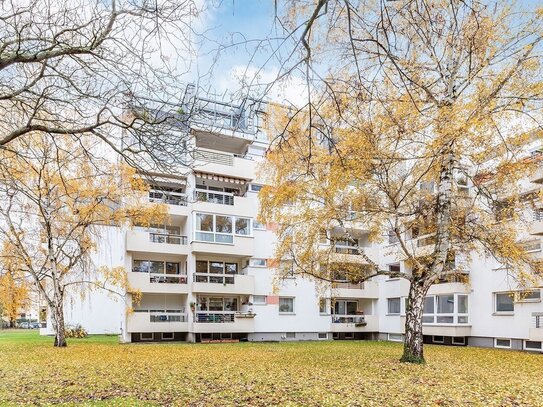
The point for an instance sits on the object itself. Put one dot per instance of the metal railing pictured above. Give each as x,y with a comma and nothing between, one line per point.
218,197
167,278
223,115
214,157
217,317
167,238
168,315
538,214
214,278
538,321
346,284
349,319
170,198
347,250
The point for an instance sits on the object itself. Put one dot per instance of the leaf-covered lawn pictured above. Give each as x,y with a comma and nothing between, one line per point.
99,371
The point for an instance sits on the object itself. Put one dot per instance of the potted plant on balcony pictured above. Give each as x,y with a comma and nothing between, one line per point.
193,306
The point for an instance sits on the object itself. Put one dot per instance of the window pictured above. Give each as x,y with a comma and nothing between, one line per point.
323,335
167,336
323,306
392,238
502,343
147,336
286,305
258,225
257,262
458,340
255,187
532,345
345,307
259,300
445,304
395,337
462,304
220,228
205,303
438,339
243,226
290,335
504,303
394,306
529,296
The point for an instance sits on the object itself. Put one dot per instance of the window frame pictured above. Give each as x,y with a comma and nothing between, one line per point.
540,349
162,338
438,336
399,306
152,338
293,305
260,303
508,312
217,237
500,346
252,259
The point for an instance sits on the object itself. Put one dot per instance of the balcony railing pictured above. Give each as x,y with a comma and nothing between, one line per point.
167,238
170,198
346,284
349,319
538,321
223,115
169,315
426,241
218,197
167,278
538,214
214,278
347,250
217,317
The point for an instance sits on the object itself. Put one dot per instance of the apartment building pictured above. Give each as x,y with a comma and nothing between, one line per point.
207,276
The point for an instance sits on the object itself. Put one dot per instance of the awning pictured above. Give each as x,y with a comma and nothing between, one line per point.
221,178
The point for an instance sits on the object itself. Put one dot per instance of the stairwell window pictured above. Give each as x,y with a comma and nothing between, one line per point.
286,305
504,303
394,306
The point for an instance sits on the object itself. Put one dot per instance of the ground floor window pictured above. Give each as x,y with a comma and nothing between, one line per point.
323,335
532,345
458,340
502,343
395,337
438,339
167,336
147,336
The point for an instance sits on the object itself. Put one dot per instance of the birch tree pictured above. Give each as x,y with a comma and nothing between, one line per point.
417,125
57,200
13,291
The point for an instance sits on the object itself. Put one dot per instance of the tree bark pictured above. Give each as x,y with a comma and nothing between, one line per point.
58,325
413,350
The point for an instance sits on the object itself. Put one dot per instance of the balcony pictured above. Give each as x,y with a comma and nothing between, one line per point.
176,202
152,242
223,283
223,203
354,323
158,282
157,321
366,289
226,164
447,288
536,331
351,254
223,321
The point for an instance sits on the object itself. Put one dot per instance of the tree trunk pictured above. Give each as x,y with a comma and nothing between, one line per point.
413,351
58,324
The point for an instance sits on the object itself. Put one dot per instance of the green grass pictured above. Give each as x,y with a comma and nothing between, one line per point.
97,371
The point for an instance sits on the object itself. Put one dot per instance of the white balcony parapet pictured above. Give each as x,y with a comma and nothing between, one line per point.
214,278
168,320
215,317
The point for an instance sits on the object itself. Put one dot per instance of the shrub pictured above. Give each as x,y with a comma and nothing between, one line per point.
75,331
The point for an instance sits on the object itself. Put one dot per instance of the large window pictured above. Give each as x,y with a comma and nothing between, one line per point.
220,304
218,272
504,302
286,305
445,309
220,228
155,267
394,306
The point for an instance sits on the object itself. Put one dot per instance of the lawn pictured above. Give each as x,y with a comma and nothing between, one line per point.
98,371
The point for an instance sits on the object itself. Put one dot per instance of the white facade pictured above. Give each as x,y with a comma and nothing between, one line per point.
206,276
